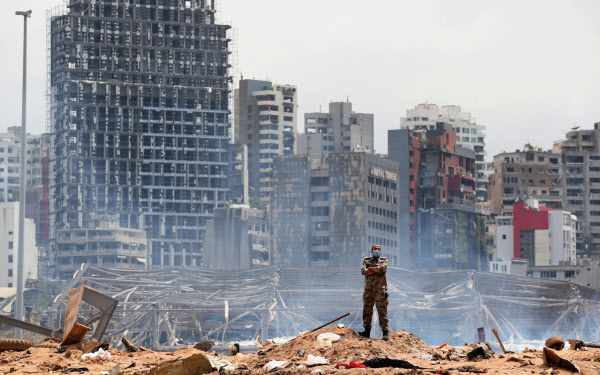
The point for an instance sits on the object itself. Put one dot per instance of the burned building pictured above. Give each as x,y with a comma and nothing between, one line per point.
329,211
438,192
139,95
530,173
103,244
581,185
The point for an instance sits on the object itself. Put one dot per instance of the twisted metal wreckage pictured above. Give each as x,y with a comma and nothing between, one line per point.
164,309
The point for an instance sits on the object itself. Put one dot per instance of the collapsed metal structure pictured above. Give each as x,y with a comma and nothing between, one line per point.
164,309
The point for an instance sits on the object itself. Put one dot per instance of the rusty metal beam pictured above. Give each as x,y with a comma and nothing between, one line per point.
27,326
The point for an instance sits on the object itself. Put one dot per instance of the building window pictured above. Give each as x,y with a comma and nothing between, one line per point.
324,225
10,245
548,274
319,211
320,256
10,273
569,274
320,241
10,259
504,236
319,181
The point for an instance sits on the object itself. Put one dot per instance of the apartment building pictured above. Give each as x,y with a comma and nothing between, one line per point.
330,211
10,163
581,185
528,173
139,109
339,130
437,198
470,134
541,235
265,121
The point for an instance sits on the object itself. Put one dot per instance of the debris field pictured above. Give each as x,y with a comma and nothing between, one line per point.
293,358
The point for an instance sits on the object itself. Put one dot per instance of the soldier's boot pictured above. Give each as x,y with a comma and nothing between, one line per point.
366,333
385,336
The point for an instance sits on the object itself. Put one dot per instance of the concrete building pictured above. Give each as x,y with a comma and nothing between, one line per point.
238,237
36,206
540,235
469,133
339,130
581,185
139,111
265,121
9,245
437,198
531,172
105,245
329,211
10,163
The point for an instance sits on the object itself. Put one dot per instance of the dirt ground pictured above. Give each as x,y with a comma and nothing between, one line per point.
351,347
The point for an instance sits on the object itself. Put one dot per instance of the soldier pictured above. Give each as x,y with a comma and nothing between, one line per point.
374,268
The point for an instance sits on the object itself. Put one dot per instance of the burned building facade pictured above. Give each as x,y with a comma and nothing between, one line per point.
530,173
139,94
581,185
329,211
438,191
103,244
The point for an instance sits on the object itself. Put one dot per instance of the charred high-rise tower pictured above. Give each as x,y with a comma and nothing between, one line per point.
140,120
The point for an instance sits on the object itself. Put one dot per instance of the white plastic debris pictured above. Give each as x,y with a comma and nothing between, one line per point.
100,354
317,371
328,336
276,365
315,360
341,325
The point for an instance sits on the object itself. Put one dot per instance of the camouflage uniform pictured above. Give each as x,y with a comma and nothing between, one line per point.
375,292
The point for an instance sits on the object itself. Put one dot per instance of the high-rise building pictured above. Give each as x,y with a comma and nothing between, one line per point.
581,185
528,173
329,211
140,120
265,121
340,130
437,198
469,134
10,168
10,164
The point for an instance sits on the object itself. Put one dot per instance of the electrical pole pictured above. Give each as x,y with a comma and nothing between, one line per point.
23,183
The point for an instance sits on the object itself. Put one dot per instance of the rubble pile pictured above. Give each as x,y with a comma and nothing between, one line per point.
404,353
350,347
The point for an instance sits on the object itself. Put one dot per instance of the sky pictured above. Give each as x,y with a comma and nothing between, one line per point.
527,70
